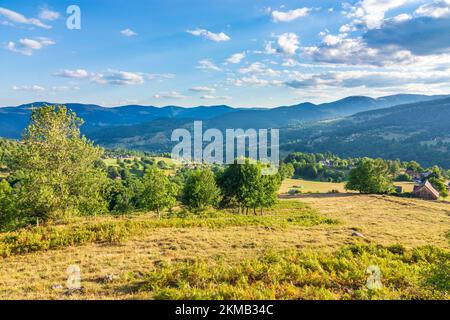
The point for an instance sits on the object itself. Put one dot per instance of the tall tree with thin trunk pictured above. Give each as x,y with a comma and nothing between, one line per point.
159,193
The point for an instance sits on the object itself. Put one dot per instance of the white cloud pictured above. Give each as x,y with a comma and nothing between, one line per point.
356,52
20,18
371,13
288,43
113,77
169,95
47,14
211,97
207,64
269,49
254,81
236,58
33,88
346,28
202,89
290,63
27,46
160,76
259,68
128,32
123,78
437,9
279,16
401,17
74,74
209,35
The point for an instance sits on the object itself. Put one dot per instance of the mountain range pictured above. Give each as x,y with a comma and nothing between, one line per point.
397,126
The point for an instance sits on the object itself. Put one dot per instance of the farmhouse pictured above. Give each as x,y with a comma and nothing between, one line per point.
426,191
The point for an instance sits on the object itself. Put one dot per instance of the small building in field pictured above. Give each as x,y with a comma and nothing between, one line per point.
426,191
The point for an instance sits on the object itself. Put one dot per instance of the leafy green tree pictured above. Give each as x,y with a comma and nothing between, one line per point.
414,166
286,170
123,195
370,176
7,209
113,172
440,186
159,193
57,167
244,186
200,190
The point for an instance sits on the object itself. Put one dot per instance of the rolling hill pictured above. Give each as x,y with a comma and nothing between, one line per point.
409,127
418,131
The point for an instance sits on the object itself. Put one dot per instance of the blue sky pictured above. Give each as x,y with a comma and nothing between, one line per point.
239,53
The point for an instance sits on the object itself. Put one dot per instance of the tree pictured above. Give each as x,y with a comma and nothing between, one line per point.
200,190
113,172
414,166
439,185
7,210
370,176
123,195
159,193
286,170
245,186
56,166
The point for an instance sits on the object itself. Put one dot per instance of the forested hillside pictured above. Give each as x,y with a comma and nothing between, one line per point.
416,131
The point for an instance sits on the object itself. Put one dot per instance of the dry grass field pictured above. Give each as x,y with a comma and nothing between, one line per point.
315,224
306,186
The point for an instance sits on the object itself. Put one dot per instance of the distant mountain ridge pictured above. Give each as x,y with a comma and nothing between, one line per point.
99,120
417,131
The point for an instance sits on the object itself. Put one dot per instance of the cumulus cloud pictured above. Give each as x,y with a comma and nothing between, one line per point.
116,77
169,95
28,46
74,74
16,17
437,9
368,79
128,33
288,43
280,16
371,13
113,77
236,58
207,64
47,14
202,89
217,37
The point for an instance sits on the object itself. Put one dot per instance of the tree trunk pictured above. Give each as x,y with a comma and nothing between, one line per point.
261,211
254,211
159,214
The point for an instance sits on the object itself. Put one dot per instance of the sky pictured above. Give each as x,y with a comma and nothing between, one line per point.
240,53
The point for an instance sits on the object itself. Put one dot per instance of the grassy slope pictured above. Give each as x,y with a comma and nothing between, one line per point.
145,252
324,187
